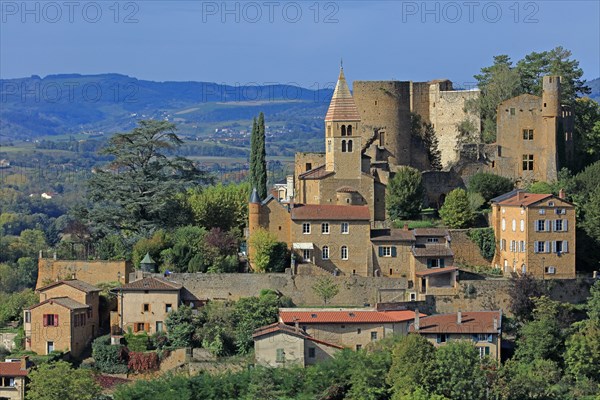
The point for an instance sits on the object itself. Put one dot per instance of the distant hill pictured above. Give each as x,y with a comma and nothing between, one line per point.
73,103
595,86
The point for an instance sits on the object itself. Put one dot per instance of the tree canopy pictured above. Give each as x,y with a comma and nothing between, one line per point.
404,196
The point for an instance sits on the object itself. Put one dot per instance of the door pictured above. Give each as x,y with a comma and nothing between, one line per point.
49,347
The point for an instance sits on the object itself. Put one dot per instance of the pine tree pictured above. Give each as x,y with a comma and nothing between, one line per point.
261,155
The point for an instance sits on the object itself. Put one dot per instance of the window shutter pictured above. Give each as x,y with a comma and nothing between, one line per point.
394,251
489,338
554,246
536,225
147,327
565,246
535,247
565,225
548,225
55,319
554,225
442,262
45,319
547,247
487,351
380,251
135,327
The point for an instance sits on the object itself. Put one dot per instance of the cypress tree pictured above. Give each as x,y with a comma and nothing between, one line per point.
253,154
261,159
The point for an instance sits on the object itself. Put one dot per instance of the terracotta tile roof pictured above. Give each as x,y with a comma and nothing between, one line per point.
430,232
342,106
524,199
10,369
152,284
471,322
432,250
436,271
62,301
316,173
323,316
307,212
392,235
74,283
290,330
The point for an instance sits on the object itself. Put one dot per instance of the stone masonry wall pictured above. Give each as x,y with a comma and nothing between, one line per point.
92,272
465,250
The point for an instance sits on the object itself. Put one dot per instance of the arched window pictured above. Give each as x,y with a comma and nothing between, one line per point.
349,146
349,130
325,253
343,146
343,130
329,131
329,146
344,252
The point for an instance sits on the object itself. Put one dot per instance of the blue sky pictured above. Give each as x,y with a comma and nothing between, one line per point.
289,42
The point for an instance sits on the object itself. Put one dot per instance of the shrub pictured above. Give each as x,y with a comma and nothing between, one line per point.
110,359
485,239
141,362
137,342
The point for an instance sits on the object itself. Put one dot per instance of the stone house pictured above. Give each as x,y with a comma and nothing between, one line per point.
279,345
66,319
350,328
535,234
13,379
534,135
143,306
483,328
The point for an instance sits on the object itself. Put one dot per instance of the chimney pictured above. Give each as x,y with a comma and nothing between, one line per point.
459,318
520,195
24,361
41,254
561,194
54,257
297,324
73,275
405,226
495,323
417,320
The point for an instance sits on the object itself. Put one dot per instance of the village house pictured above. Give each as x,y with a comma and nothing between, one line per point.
66,319
350,328
535,234
13,379
279,345
483,328
143,306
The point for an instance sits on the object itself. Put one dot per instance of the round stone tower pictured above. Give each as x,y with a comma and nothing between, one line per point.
253,218
551,96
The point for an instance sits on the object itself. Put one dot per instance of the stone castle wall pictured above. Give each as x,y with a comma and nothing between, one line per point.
92,272
466,252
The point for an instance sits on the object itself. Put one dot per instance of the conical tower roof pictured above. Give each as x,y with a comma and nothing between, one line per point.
342,106
147,259
254,197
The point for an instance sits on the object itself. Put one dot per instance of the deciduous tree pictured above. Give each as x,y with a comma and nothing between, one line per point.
404,196
456,211
58,380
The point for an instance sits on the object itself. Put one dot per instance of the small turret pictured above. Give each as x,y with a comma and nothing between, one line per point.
551,96
148,264
253,217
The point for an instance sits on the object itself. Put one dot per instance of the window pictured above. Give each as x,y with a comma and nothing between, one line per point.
11,382
280,357
325,253
343,130
306,228
349,146
140,326
349,131
523,269
527,162
50,319
49,347
512,111
168,308
484,351
325,228
522,225
381,139
540,225
441,338
345,227
159,326
358,347
329,146
539,247
503,244
27,317
329,131
514,225
560,246
311,352
513,246
435,263
550,270
308,166
343,146
561,211
542,211
344,252
522,243
146,307
373,336
527,134
387,251
433,240
503,224
560,225
306,255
